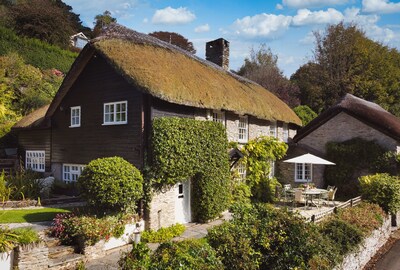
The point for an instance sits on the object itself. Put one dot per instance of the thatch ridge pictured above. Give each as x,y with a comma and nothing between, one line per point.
35,119
368,112
175,75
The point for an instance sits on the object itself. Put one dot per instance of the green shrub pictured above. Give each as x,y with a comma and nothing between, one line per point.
88,230
25,184
187,254
11,238
26,235
343,234
163,234
262,237
64,188
136,259
8,240
5,191
383,190
365,216
186,148
111,183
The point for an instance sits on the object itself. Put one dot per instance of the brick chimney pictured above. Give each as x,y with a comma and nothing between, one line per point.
217,51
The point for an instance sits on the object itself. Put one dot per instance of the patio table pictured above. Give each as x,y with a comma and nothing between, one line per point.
311,193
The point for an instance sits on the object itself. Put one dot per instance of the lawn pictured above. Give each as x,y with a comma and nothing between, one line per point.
30,215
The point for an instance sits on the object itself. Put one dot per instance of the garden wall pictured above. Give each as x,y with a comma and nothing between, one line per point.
99,249
360,257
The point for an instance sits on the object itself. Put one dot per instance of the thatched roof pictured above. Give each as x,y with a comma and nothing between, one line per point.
368,112
174,75
33,120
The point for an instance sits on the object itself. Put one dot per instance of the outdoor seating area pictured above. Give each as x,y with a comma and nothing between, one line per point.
307,196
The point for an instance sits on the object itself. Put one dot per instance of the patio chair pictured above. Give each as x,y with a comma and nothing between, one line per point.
286,195
329,196
299,198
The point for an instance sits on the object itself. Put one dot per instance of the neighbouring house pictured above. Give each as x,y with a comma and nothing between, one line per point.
350,118
124,79
78,40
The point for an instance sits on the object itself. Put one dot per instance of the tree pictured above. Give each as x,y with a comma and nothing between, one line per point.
101,21
262,68
176,39
47,20
305,114
346,61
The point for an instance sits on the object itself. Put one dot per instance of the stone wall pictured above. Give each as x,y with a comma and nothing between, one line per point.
162,210
357,259
344,127
32,256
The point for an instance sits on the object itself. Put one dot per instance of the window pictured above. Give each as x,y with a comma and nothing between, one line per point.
285,133
243,129
303,172
35,160
272,171
273,130
218,116
71,172
115,113
75,116
241,170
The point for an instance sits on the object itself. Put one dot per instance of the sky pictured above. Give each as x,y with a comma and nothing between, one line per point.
285,26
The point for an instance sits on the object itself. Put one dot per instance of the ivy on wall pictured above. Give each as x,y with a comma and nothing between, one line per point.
185,148
354,158
259,154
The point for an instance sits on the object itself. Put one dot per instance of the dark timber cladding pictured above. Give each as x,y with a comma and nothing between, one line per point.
35,140
162,108
97,84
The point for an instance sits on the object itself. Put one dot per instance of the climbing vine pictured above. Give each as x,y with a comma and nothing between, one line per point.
354,158
259,155
185,148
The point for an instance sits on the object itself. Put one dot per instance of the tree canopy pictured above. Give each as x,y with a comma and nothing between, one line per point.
47,20
102,20
261,66
176,39
346,61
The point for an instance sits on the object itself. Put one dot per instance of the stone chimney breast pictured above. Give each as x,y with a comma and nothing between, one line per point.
217,51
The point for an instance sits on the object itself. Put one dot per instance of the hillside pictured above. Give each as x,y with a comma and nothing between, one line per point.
35,52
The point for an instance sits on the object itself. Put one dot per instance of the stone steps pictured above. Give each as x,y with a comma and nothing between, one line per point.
60,251
66,261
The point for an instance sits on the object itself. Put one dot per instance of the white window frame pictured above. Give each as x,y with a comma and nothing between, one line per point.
243,131
114,113
75,123
71,172
273,129
285,132
35,160
241,171
272,171
300,172
218,116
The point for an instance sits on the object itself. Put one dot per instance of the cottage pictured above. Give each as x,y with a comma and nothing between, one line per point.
124,79
350,118
78,40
